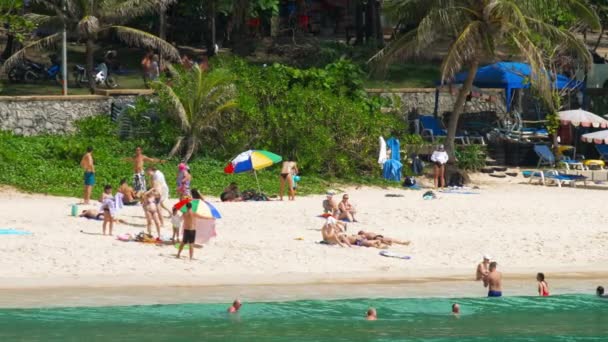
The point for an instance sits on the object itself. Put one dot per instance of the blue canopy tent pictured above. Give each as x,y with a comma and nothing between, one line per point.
508,76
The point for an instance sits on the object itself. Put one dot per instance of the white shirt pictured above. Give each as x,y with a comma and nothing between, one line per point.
439,157
176,221
159,179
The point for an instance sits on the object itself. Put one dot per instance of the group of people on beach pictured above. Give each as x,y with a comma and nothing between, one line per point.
492,279
152,199
334,230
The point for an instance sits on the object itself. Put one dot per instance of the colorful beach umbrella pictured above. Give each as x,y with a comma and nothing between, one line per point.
252,160
203,208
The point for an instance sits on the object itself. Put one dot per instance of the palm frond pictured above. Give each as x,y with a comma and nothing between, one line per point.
119,11
462,50
138,38
49,42
177,104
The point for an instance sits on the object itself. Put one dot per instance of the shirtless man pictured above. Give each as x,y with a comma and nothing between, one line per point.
236,305
494,281
89,174
381,238
372,315
483,269
138,160
189,235
332,236
129,195
361,241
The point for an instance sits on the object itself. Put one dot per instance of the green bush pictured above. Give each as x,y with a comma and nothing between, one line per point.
471,157
321,117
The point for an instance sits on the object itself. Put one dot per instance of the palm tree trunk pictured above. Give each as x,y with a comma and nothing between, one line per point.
90,52
458,107
359,22
162,23
177,147
190,149
599,40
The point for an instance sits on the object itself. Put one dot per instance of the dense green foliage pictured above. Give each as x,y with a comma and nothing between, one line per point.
471,157
322,118
50,164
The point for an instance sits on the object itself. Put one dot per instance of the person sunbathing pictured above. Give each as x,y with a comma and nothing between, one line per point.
361,241
384,239
333,236
93,214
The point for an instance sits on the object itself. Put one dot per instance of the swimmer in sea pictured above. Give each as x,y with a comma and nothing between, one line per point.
372,315
236,305
455,309
543,288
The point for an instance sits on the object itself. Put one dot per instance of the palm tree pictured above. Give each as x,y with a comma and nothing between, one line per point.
479,31
198,99
89,18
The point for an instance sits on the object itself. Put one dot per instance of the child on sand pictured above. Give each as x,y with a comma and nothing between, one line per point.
176,222
106,200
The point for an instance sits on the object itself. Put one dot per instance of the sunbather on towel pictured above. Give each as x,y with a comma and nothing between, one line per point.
361,241
333,236
384,239
93,214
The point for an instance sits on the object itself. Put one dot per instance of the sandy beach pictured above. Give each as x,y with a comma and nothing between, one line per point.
525,228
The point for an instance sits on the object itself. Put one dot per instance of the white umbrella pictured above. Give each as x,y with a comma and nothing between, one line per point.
579,117
600,137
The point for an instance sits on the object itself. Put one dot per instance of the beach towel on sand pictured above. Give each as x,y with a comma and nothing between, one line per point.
12,231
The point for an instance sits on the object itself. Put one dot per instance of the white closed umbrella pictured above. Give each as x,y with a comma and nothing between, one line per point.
600,137
579,117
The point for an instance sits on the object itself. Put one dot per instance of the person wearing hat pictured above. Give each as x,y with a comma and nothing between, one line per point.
329,204
439,159
483,269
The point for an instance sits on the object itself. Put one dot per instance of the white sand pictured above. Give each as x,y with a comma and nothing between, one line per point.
526,228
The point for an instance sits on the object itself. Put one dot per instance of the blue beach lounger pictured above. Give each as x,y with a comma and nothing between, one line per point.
558,178
546,157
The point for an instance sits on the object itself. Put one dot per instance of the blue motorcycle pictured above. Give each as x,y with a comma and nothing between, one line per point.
30,71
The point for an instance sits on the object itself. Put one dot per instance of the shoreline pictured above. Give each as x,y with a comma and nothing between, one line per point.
142,292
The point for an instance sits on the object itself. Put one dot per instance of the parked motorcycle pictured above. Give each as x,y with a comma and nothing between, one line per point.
30,71
101,75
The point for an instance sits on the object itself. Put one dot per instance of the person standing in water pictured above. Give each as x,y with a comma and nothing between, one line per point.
543,288
439,159
494,281
89,174
139,178
455,309
483,269
236,305
600,292
289,169
372,315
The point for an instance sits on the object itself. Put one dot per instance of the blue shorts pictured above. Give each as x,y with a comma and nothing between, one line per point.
494,293
89,178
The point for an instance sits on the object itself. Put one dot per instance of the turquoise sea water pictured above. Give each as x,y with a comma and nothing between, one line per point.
558,318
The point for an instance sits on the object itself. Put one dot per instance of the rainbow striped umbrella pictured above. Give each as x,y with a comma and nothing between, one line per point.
252,160
203,208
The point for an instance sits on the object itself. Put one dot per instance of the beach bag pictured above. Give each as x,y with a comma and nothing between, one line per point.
417,165
409,181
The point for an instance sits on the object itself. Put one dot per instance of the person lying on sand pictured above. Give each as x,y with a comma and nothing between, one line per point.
96,215
384,239
333,236
361,241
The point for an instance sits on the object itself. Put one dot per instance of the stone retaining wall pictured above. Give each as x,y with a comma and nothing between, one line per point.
32,115
423,100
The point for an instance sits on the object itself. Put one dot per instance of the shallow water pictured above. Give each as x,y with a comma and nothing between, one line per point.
557,318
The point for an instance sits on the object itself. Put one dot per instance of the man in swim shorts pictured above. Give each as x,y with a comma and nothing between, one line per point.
139,178
494,281
89,174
